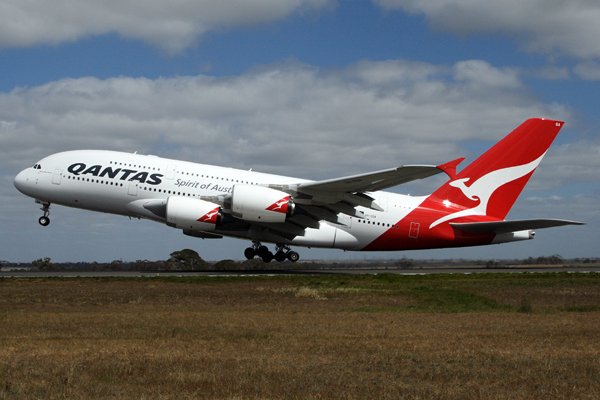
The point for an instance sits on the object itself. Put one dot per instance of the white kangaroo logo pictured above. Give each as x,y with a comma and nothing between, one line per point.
484,187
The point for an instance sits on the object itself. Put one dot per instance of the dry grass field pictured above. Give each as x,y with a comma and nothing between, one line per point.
503,336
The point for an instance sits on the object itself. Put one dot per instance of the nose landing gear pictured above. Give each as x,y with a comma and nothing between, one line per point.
281,253
44,220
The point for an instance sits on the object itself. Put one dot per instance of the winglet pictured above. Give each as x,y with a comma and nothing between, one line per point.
450,167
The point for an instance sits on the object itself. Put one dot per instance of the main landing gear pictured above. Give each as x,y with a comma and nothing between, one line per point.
44,220
281,253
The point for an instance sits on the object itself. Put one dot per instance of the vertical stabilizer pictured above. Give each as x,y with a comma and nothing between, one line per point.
490,185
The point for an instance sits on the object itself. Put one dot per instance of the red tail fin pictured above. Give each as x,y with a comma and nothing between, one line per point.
491,184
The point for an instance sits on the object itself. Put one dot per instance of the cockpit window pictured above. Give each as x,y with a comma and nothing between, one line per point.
37,166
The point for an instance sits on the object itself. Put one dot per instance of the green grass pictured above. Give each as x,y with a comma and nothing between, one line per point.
441,293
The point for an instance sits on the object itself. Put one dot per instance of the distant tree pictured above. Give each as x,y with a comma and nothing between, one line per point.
494,264
227,265
254,264
187,259
529,261
43,264
555,259
141,265
404,263
116,265
552,260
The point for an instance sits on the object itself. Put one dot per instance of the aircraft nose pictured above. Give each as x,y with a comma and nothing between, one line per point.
22,181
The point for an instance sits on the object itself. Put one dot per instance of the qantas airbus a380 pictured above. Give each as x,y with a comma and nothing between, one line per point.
350,213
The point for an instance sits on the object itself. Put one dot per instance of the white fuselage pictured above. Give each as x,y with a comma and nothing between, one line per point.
121,183
349,213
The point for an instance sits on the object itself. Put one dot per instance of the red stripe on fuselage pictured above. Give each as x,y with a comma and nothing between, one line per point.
442,235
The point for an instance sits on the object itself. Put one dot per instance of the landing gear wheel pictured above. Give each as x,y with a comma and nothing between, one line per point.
293,256
267,257
281,253
44,220
249,253
262,251
280,256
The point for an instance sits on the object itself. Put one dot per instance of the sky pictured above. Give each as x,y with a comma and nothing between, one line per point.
314,89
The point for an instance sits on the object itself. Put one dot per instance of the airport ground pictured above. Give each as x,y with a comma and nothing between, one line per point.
385,336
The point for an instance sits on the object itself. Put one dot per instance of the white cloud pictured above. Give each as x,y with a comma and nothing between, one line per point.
552,73
483,75
290,118
171,25
588,70
569,163
580,207
565,27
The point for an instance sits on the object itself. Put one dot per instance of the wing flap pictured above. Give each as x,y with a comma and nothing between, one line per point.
500,227
304,221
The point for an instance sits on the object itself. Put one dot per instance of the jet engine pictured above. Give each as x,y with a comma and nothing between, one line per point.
261,204
193,214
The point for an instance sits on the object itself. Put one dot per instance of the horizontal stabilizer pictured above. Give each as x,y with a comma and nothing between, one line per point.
499,227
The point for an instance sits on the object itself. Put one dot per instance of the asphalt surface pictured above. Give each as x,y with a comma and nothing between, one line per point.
411,271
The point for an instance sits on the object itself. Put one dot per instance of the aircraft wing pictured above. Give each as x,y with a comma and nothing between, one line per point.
511,226
333,200
372,181
343,194
330,199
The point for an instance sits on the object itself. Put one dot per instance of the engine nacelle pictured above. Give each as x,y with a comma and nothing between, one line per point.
193,214
260,204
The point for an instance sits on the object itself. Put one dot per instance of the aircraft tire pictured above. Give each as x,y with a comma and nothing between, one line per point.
44,221
249,253
267,257
280,256
262,250
293,256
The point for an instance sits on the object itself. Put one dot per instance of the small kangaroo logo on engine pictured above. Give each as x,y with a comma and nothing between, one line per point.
280,206
210,217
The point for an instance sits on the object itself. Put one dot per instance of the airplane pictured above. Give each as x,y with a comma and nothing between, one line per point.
351,213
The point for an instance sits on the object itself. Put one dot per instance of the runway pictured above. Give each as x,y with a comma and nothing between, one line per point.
370,271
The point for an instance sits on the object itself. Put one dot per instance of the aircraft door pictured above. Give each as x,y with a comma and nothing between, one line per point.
345,219
171,171
133,188
414,230
383,203
57,177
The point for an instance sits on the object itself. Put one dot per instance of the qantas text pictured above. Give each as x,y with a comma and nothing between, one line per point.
118,173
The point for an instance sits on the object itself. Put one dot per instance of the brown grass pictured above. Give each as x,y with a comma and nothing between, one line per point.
273,339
